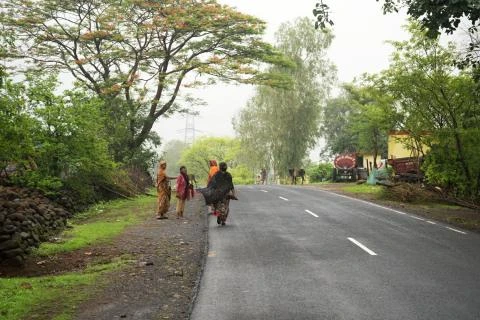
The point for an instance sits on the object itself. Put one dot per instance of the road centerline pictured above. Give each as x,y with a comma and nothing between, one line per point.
364,248
310,212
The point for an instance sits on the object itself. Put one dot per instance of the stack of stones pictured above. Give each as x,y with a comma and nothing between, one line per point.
26,219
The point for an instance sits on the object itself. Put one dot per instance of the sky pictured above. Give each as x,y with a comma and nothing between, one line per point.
360,31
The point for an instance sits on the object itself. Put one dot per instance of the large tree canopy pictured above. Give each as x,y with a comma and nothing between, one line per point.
279,126
436,98
138,54
359,119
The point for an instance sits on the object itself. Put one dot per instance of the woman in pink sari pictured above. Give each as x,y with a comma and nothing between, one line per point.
183,191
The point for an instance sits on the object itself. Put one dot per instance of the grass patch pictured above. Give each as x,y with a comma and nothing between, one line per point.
364,188
319,183
437,205
50,297
100,224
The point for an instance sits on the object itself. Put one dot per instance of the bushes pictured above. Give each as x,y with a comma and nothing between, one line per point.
57,144
320,172
453,169
241,175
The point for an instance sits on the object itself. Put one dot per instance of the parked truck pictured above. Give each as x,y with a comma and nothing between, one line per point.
348,167
407,169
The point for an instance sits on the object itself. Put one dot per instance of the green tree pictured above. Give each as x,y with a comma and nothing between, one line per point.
55,141
359,120
438,15
279,126
376,117
17,123
440,105
337,117
137,55
196,157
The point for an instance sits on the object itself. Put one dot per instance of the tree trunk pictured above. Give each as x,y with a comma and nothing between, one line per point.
143,135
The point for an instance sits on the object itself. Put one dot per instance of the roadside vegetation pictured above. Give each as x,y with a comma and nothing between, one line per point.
51,297
99,224
56,296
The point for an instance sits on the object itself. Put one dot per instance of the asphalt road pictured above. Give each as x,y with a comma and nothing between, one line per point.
298,253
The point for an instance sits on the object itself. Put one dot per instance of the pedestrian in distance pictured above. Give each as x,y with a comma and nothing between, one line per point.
164,190
183,191
264,176
212,171
192,184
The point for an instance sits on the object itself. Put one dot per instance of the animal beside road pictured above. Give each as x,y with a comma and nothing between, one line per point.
295,173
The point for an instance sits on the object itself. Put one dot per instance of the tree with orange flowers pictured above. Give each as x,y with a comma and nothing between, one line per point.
137,55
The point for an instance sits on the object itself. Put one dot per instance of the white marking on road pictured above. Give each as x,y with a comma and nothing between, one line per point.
431,222
421,219
456,230
370,252
264,191
366,202
283,198
313,214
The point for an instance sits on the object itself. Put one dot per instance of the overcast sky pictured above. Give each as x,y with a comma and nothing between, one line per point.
359,46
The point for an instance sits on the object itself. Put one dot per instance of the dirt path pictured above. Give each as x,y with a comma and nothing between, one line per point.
161,284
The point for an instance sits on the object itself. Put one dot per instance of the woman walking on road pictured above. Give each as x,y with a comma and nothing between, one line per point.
164,191
213,170
222,182
183,191
211,173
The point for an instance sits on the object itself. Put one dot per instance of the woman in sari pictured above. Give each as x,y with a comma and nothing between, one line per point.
213,170
222,182
211,173
183,191
163,190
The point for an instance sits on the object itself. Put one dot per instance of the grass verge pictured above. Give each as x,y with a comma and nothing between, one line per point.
99,224
51,297
364,189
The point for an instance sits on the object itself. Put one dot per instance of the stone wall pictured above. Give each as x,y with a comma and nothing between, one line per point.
26,219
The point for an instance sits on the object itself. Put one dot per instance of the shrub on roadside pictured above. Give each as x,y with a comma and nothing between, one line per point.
58,145
241,175
319,172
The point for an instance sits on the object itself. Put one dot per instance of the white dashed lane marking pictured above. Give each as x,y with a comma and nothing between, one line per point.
285,199
364,248
310,212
